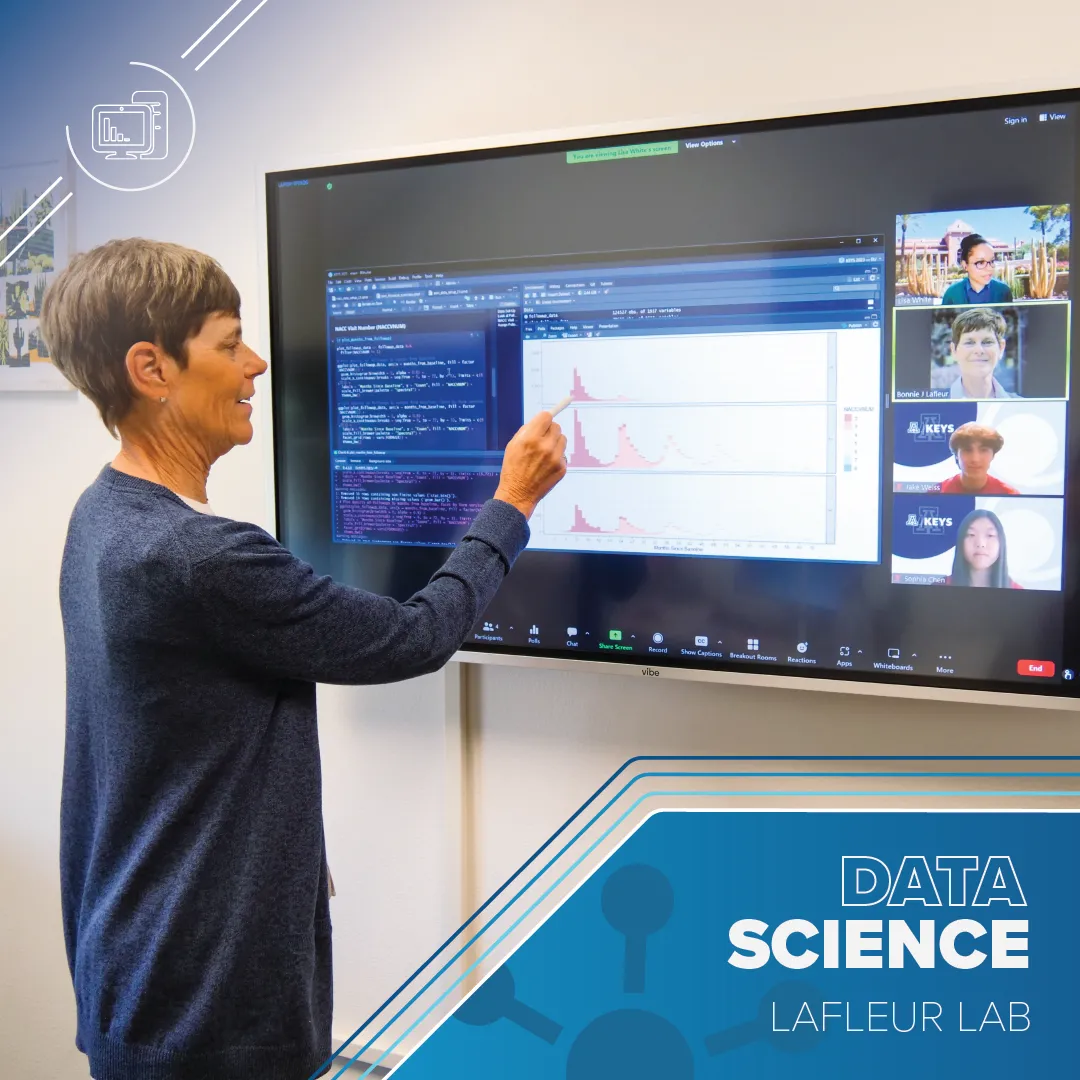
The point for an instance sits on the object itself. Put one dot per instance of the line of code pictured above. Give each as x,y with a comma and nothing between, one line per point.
428,507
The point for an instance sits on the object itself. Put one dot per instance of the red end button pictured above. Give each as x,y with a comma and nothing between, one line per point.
1038,668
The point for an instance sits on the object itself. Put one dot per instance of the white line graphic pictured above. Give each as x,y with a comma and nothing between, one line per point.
230,34
183,56
31,207
37,226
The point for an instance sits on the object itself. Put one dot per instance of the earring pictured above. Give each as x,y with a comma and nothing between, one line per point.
163,400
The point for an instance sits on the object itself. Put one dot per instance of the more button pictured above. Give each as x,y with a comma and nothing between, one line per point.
1040,668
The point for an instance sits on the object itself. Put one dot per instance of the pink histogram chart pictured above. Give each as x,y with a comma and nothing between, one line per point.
712,443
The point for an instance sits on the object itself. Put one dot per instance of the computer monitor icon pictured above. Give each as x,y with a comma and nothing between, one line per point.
123,131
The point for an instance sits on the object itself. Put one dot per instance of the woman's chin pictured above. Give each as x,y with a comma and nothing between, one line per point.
242,433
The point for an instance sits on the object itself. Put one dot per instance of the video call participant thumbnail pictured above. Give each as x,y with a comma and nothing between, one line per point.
981,353
982,255
961,540
977,259
980,559
975,446
1025,442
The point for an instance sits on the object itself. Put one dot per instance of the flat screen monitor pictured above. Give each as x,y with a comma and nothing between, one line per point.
821,420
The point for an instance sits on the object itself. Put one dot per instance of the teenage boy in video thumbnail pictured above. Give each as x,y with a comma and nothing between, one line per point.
980,558
975,446
978,344
977,259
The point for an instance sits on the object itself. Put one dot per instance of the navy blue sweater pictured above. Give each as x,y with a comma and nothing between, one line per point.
193,867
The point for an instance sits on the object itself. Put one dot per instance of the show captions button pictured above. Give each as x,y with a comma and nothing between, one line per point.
1038,668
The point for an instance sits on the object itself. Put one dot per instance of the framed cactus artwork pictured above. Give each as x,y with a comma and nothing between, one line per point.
996,255
34,245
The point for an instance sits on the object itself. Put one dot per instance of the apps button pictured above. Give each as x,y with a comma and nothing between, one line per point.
1037,668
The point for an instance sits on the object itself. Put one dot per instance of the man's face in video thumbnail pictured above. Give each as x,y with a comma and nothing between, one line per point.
978,352
975,462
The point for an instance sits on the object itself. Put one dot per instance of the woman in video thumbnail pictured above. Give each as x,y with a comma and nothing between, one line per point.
976,258
978,343
975,447
979,560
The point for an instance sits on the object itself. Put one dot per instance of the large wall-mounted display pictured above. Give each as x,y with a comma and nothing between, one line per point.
820,416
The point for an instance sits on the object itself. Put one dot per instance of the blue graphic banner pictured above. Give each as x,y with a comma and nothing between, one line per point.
772,944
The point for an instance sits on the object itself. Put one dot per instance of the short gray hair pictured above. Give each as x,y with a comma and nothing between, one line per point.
122,292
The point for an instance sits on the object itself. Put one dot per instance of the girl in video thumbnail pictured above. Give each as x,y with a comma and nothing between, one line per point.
980,560
976,258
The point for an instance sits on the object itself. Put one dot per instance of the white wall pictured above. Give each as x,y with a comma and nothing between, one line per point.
397,74
548,739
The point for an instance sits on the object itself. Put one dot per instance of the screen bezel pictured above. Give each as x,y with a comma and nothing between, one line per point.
874,684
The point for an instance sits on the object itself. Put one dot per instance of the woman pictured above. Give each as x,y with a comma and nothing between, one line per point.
193,870
977,346
976,258
980,560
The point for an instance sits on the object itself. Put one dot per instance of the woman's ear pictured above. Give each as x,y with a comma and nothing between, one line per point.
146,368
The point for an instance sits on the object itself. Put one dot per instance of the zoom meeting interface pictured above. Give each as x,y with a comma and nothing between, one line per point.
816,385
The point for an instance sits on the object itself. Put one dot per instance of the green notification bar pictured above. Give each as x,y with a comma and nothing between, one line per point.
616,153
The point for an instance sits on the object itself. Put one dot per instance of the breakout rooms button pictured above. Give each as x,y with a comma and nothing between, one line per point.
1045,668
